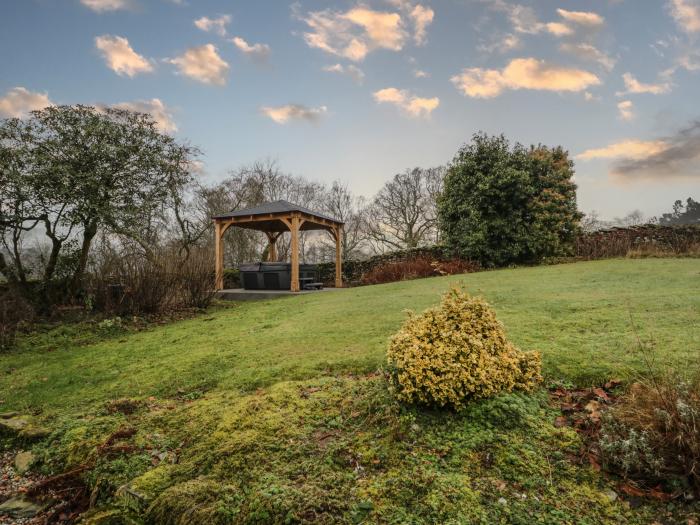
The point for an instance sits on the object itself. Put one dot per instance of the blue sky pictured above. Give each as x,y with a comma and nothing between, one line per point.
358,91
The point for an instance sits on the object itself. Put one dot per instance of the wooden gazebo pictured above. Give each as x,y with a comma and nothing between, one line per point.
275,218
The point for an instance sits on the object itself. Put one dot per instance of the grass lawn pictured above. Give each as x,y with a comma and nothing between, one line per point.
274,415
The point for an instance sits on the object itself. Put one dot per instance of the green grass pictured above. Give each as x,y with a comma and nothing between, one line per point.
272,416
582,317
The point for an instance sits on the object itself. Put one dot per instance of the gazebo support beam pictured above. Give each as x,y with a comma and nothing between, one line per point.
219,256
272,246
338,256
294,228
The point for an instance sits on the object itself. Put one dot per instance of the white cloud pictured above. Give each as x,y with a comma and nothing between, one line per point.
106,5
625,109
522,73
422,18
584,18
589,52
120,57
203,64
633,85
256,52
283,114
524,19
215,25
419,73
501,43
154,107
354,33
558,29
350,70
19,101
686,13
629,149
412,105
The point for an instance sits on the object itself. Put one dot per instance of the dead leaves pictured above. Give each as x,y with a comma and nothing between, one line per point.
582,410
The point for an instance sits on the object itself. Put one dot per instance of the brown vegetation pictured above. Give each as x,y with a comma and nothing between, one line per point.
416,268
652,435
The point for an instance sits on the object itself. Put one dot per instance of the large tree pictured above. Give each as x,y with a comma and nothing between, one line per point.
403,213
504,204
78,170
339,202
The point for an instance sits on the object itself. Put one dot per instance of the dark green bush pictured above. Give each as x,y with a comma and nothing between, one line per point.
506,204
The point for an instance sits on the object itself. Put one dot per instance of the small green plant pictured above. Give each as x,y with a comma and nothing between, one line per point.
455,352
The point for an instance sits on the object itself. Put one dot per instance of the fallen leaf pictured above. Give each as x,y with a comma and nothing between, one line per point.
561,421
593,409
631,490
601,394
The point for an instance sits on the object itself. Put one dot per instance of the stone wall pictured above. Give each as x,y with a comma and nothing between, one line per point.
618,242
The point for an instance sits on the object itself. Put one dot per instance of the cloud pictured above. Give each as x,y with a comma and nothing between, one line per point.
419,73
19,101
625,109
354,33
256,52
120,57
583,18
101,6
633,85
628,149
154,107
203,64
412,105
283,114
686,13
422,18
214,25
350,70
590,53
524,19
419,15
522,73
675,156
558,29
502,43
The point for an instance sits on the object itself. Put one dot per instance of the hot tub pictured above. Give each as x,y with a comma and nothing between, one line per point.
274,275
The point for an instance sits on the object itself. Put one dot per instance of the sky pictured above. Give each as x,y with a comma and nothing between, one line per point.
357,91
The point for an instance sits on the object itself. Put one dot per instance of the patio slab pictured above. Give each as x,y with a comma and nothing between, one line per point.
239,294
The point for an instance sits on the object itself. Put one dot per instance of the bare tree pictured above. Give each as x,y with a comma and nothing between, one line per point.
403,213
340,203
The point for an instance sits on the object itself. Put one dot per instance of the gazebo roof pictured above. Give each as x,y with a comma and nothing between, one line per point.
266,217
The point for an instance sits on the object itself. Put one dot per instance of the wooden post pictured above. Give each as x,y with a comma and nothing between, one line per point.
295,254
219,257
272,247
338,256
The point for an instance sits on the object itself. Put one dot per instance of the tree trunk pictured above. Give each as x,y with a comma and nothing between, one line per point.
88,235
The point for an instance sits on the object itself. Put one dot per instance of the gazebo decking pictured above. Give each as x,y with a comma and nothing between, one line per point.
275,218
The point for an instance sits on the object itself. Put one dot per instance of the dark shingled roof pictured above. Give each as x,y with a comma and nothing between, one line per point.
275,207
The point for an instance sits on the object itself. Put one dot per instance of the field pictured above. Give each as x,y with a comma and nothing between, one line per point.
273,411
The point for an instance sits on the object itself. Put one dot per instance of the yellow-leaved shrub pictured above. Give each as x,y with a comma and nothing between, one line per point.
456,352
